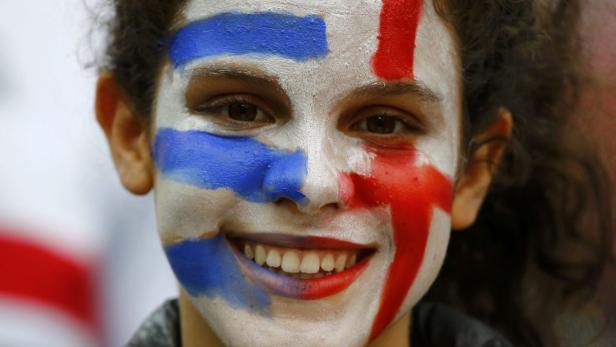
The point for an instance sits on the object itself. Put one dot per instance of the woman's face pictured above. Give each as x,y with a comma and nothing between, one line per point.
305,153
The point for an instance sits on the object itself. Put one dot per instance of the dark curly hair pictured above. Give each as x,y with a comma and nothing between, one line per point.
542,237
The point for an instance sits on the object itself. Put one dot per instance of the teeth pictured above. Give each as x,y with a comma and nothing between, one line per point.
328,263
290,262
304,264
310,263
352,261
273,258
248,252
341,262
260,255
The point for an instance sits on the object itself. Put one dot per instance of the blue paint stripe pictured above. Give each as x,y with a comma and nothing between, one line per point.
249,168
209,268
265,33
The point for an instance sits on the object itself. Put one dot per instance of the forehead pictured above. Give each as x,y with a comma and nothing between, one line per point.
350,30
196,9
346,34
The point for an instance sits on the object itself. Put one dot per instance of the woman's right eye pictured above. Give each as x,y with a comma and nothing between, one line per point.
238,113
243,111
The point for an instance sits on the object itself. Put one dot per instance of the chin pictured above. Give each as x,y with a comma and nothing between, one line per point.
325,308
341,319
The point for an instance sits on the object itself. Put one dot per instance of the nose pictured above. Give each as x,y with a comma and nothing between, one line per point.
306,182
284,178
321,186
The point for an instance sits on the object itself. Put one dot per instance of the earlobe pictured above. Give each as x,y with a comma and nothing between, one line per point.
127,135
474,183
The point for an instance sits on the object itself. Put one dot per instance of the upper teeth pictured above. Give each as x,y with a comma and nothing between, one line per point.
294,261
290,261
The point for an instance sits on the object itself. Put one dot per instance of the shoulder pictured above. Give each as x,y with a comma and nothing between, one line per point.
160,329
436,325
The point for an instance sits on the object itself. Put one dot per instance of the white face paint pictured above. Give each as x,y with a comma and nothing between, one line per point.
280,143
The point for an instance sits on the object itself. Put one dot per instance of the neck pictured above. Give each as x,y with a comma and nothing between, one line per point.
396,335
196,332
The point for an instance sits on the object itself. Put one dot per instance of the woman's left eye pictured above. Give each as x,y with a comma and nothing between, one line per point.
381,125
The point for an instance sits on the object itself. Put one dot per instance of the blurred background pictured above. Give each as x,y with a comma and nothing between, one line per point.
80,262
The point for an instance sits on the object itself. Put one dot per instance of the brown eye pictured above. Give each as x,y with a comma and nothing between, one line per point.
237,113
381,124
243,111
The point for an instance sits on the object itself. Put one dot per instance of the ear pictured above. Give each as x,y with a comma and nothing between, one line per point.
127,135
472,187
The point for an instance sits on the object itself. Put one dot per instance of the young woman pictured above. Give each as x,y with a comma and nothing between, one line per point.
310,160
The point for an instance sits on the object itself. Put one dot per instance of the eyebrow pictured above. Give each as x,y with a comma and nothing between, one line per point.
255,78
250,76
381,88
263,81
263,33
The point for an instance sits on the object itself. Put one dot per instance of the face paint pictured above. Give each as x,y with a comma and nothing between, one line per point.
411,192
307,289
297,38
397,32
304,228
249,168
208,267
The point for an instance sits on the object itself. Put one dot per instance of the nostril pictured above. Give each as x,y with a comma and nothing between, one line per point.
308,208
287,204
284,179
331,206
280,189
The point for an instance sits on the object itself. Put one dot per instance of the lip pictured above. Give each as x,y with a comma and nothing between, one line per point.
300,242
298,288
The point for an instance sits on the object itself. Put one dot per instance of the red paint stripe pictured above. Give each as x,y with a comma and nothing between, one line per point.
37,274
412,193
394,57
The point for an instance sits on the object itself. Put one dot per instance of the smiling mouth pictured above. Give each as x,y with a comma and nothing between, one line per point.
301,267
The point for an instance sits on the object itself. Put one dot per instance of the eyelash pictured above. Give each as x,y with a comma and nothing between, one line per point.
403,124
219,106
409,123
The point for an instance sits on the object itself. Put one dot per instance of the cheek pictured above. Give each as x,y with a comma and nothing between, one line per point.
209,268
411,192
202,176
184,212
250,169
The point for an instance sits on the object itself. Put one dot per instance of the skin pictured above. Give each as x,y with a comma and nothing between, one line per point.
319,108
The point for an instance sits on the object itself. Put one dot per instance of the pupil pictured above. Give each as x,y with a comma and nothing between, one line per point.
381,124
243,111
